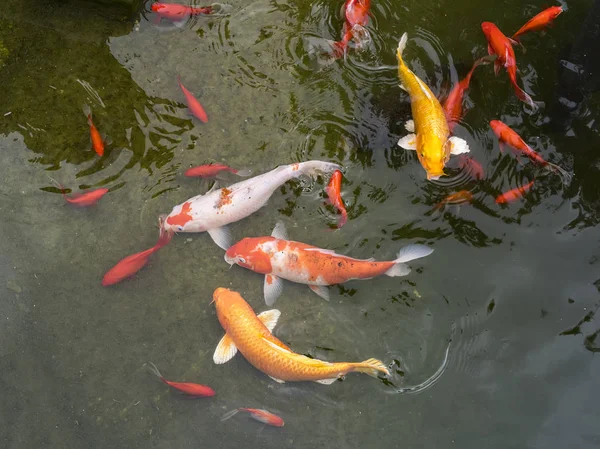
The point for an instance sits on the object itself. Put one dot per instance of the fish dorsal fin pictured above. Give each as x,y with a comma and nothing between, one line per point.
225,350
329,252
279,231
298,357
424,88
269,318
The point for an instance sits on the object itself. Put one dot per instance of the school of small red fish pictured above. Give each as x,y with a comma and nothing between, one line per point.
275,256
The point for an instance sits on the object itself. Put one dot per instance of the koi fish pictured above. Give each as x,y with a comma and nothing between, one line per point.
279,258
82,199
252,336
211,170
430,135
132,264
453,104
97,142
499,44
514,194
264,416
174,11
539,21
191,389
334,193
460,197
509,137
356,16
217,208
194,105
474,167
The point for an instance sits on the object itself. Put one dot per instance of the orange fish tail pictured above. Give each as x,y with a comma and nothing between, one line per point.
522,95
372,367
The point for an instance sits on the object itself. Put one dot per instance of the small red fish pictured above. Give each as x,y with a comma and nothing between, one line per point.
211,170
514,194
174,11
191,389
356,16
97,142
453,104
509,137
499,44
82,199
194,105
475,169
264,416
540,21
460,197
334,192
132,264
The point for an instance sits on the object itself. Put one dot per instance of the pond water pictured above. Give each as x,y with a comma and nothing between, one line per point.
491,340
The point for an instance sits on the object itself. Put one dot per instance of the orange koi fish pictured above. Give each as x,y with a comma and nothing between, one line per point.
82,199
499,44
509,137
97,142
460,197
513,195
356,16
252,336
132,264
334,193
211,170
194,105
539,21
191,389
279,258
173,11
264,416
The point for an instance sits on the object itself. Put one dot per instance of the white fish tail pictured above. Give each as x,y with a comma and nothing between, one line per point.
406,254
87,111
155,370
228,415
314,168
402,43
372,367
565,176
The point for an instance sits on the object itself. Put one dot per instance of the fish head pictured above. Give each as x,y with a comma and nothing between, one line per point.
555,11
432,156
250,253
228,303
157,6
488,29
181,220
497,126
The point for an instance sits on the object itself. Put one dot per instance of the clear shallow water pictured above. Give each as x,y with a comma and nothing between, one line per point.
513,288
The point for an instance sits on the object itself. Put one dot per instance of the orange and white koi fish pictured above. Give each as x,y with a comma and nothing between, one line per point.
96,138
217,208
508,136
513,195
130,265
499,44
264,416
356,16
460,197
174,11
430,133
453,104
252,336
212,170
191,389
194,105
539,21
279,258
334,192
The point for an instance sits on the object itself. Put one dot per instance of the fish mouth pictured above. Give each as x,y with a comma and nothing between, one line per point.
435,176
229,260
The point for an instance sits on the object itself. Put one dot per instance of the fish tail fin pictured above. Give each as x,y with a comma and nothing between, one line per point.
361,35
343,219
164,237
565,176
229,414
244,173
58,185
155,370
87,111
401,47
314,168
371,367
406,254
523,96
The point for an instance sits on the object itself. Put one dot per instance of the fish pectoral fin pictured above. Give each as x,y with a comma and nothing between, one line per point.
497,67
225,350
279,231
279,381
221,236
273,288
269,318
408,142
326,381
514,42
490,50
410,126
321,290
214,187
403,87
457,145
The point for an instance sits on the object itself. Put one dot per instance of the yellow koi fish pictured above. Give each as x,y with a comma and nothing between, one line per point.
430,133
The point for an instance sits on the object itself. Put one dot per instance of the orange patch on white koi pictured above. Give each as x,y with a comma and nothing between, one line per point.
182,217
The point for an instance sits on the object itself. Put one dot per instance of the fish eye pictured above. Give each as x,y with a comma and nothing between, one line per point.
241,259
180,228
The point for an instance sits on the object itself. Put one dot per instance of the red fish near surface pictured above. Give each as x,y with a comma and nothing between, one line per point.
356,16
264,416
211,170
132,264
462,196
191,389
278,258
194,105
499,44
540,21
509,137
97,142
174,11
334,193
513,195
